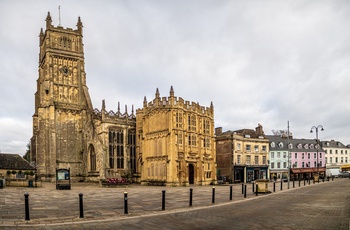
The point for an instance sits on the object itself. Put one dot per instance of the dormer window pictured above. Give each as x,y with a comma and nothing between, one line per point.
273,144
306,146
280,145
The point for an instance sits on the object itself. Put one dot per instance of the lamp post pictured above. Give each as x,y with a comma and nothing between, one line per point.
317,142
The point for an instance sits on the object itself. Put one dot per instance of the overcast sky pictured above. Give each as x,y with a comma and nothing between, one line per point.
264,62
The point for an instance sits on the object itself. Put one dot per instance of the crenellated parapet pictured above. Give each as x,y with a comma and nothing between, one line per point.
114,117
175,102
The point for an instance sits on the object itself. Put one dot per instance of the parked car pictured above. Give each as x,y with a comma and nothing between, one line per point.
343,174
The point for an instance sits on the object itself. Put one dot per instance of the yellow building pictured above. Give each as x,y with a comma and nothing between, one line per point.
175,142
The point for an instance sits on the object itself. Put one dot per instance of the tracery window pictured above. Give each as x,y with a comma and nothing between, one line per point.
132,149
116,149
192,140
192,122
178,119
206,126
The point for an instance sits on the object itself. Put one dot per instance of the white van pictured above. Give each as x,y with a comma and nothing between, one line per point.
332,172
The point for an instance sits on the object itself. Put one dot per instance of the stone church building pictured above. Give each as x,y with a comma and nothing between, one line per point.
168,141
176,144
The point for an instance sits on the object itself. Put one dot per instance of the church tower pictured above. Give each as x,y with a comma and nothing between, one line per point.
62,103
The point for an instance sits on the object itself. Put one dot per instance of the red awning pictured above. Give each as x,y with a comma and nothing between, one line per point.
296,171
307,170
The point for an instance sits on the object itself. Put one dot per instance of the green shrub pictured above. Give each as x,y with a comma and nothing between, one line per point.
8,172
14,171
20,172
31,173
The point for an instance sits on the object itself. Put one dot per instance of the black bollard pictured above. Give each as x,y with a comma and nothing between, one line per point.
191,193
81,208
309,181
281,184
304,181
274,186
126,203
293,183
213,196
299,182
256,189
242,188
230,192
163,200
245,191
253,187
26,206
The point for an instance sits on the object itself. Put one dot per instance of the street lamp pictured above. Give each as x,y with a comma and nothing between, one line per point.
317,141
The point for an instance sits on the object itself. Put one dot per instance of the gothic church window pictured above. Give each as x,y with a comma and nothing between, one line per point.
178,119
132,147
206,126
192,122
116,149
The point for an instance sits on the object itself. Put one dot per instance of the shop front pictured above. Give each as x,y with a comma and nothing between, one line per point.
238,174
307,173
256,173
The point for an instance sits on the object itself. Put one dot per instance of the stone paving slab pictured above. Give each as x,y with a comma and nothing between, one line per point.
50,206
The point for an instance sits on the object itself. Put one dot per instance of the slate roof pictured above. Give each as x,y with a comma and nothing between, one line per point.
333,144
294,142
14,162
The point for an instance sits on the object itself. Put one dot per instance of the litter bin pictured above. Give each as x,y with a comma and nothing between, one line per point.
263,185
30,184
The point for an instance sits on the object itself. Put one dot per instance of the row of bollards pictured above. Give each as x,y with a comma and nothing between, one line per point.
255,189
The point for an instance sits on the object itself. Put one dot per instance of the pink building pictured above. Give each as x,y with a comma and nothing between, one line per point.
307,158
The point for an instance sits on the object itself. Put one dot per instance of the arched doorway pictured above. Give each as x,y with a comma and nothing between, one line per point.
191,174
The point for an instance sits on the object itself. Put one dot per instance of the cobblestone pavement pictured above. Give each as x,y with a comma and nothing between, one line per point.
324,205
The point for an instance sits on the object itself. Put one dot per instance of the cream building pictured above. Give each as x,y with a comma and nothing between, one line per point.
176,143
242,155
337,154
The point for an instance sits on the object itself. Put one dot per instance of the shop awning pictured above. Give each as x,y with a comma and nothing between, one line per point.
308,170
296,171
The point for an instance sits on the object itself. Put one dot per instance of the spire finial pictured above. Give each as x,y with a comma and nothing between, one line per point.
157,93
144,102
48,20
80,26
103,105
171,91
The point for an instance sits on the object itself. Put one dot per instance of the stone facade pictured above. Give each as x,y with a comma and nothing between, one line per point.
176,143
242,155
67,131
